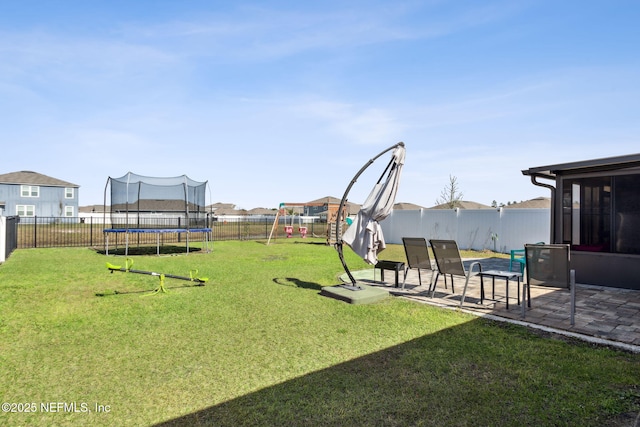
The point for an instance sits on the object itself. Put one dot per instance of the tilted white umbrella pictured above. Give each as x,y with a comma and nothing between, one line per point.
365,235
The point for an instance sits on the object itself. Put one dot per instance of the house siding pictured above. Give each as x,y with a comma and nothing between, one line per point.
50,202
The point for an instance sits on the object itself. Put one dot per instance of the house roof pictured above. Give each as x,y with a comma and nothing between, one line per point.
463,204
594,165
352,208
537,203
93,209
33,178
262,211
145,206
404,206
156,205
219,205
326,199
229,211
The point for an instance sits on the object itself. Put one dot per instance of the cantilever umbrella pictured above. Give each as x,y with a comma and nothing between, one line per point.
365,235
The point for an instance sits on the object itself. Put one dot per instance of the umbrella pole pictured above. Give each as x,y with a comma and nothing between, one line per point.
353,286
343,201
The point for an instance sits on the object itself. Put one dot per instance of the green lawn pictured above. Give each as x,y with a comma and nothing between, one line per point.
258,345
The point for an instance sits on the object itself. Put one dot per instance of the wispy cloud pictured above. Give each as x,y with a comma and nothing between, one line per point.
259,33
352,123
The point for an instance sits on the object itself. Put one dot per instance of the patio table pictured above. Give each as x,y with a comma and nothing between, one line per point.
396,266
507,275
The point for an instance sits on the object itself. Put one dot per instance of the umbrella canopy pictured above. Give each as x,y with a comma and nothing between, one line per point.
365,235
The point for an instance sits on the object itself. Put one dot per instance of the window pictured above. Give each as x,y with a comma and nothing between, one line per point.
68,211
602,214
29,191
627,214
25,210
68,193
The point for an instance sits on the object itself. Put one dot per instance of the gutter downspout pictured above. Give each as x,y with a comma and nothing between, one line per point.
552,235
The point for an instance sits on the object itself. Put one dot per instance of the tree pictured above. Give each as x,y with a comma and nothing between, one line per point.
450,195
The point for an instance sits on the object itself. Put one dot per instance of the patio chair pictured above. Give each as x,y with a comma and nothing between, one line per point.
517,256
417,253
449,262
549,266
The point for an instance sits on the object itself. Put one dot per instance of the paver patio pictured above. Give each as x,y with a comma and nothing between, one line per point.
606,315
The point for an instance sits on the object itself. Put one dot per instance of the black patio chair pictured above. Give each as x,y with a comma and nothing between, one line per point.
549,266
449,262
417,253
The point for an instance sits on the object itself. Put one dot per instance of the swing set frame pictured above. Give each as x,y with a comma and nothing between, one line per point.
282,212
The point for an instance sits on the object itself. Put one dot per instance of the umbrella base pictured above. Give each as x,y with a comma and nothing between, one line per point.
362,294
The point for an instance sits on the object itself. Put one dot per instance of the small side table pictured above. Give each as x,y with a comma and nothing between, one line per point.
507,275
396,266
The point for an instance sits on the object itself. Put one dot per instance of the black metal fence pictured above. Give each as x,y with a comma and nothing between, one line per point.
11,242
49,232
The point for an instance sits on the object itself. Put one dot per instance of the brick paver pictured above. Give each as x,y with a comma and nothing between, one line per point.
602,313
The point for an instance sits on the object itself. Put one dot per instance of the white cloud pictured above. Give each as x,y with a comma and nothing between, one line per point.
355,124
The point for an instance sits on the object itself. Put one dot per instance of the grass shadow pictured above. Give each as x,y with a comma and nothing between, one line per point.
150,250
425,381
154,291
292,281
311,242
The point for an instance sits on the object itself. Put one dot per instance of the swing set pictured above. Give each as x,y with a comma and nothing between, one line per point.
332,220
289,224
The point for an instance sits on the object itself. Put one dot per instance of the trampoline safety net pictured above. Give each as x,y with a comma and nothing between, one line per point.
138,201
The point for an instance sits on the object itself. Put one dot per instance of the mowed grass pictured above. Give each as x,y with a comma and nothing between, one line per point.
258,345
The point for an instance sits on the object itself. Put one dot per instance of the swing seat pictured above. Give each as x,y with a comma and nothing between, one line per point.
289,230
303,232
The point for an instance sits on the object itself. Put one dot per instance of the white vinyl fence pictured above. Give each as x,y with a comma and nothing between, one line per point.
479,229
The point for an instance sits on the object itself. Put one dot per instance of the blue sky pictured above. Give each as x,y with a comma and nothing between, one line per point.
284,101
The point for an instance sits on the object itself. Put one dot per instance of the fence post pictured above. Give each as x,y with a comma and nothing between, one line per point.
35,231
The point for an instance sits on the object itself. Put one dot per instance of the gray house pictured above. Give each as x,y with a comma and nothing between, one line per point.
595,208
30,194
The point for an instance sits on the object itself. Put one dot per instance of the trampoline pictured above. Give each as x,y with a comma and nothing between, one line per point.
142,205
